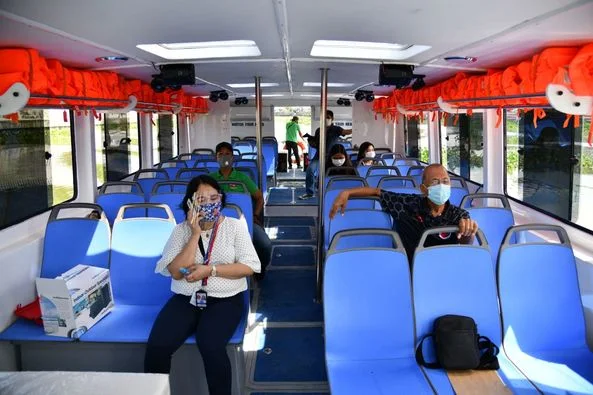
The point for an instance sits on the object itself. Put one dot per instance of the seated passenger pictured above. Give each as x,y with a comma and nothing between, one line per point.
339,163
366,154
224,243
412,214
261,241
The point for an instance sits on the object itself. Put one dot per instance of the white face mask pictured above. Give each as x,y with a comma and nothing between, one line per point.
338,162
369,154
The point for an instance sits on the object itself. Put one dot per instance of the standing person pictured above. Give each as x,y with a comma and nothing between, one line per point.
208,257
261,241
332,134
292,128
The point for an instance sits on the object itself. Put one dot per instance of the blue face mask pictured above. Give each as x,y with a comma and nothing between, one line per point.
211,211
439,194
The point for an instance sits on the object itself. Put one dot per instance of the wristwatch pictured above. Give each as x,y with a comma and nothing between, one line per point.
213,271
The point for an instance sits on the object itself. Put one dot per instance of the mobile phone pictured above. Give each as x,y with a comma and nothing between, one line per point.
185,271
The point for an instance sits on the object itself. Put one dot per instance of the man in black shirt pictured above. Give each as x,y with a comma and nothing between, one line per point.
332,134
413,214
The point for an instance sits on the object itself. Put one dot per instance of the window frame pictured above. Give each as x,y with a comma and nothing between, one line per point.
74,173
528,205
459,175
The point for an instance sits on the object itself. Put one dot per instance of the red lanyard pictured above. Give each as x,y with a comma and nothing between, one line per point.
206,254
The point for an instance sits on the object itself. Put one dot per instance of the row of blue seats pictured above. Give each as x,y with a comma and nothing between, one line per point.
114,195
539,324
130,250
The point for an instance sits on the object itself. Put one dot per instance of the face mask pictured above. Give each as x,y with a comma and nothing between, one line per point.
439,194
211,211
369,154
225,160
338,162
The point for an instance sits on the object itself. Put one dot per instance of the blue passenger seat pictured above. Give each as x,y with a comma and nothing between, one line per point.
170,193
114,194
139,293
369,347
358,219
542,312
148,177
458,279
493,221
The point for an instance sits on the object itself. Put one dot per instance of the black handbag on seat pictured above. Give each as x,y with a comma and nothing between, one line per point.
458,346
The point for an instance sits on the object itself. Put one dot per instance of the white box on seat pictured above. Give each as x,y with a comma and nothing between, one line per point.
74,301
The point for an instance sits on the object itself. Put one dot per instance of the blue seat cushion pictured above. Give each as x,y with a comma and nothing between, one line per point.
384,376
124,324
558,371
25,330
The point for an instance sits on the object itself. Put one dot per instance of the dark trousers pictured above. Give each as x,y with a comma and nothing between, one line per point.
213,326
263,247
292,146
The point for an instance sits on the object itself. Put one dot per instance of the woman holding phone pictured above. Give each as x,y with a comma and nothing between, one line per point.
209,258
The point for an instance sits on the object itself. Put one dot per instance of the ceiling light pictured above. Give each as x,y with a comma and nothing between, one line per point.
461,59
271,95
119,59
203,50
365,50
329,84
318,95
252,85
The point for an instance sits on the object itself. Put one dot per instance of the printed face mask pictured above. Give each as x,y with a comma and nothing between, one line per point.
211,211
225,160
439,194
338,162
369,154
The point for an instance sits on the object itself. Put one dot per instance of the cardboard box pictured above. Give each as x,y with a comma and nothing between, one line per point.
75,301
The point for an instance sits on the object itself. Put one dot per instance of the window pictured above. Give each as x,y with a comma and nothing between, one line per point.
164,140
117,146
462,148
550,167
416,134
37,162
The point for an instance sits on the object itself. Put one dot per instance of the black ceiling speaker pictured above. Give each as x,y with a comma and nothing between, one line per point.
397,75
178,74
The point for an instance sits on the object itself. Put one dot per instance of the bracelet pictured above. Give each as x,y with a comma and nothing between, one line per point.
213,271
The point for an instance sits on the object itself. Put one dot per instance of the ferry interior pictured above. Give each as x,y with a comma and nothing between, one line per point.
109,108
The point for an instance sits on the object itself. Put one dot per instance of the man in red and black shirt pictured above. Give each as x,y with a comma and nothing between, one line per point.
413,214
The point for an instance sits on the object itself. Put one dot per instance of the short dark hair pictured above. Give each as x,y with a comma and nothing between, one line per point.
295,119
193,186
363,149
222,145
329,114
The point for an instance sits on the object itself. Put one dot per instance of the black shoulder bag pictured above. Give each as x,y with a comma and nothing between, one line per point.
458,346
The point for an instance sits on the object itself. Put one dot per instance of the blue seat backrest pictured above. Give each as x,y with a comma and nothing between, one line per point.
243,200
72,241
363,170
540,278
344,182
172,167
376,173
210,164
413,191
494,222
270,157
346,144
188,174
200,157
244,147
396,181
454,279
148,178
361,238
136,246
111,203
169,187
378,323
358,219
173,200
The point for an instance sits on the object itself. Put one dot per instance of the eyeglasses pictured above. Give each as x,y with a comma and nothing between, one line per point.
207,199
436,181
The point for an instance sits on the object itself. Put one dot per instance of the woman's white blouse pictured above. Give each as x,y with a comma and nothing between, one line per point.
232,245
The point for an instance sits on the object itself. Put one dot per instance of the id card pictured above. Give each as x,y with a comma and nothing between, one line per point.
199,299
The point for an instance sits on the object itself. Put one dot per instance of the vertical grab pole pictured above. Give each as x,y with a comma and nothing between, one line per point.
258,131
321,190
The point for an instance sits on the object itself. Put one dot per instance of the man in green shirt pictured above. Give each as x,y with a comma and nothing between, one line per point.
292,128
261,241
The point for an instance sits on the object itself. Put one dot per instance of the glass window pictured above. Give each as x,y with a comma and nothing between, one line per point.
416,135
117,146
37,162
164,140
549,167
462,146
